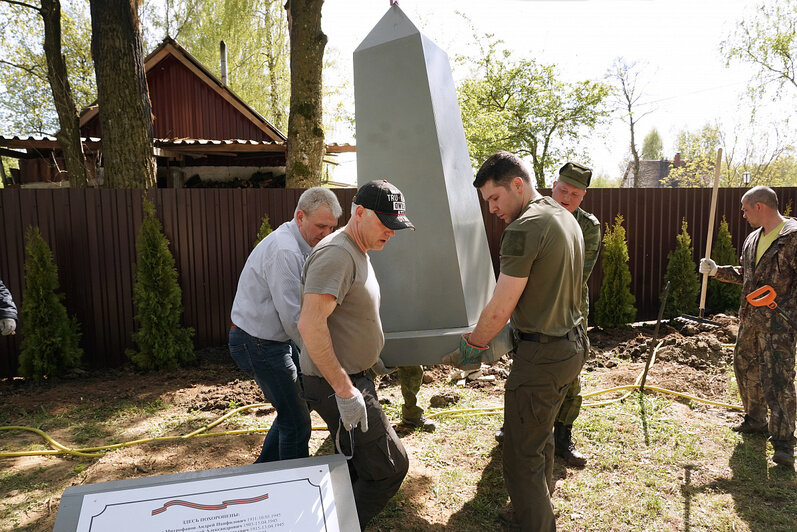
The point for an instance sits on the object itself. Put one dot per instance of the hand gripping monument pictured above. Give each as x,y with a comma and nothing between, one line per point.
436,280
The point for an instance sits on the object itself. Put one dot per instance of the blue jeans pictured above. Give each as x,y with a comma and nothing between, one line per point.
275,368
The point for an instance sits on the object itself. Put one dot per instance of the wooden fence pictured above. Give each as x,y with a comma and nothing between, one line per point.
92,234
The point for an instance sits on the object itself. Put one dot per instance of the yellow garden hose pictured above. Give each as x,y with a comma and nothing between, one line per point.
94,452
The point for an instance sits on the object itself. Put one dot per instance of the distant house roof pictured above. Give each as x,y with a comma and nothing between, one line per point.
188,101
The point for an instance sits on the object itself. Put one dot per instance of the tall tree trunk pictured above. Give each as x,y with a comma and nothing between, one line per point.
125,112
634,152
272,62
69,133
305,133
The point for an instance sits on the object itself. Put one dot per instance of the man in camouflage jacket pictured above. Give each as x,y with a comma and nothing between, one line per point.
8,312
764,354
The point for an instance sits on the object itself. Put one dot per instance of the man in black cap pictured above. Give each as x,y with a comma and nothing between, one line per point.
342,334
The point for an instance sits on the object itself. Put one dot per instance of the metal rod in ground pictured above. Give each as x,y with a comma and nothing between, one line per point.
664,295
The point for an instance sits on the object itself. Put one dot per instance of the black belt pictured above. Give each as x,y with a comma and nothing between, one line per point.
545,338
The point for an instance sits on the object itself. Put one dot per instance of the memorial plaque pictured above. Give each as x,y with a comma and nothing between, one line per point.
309,494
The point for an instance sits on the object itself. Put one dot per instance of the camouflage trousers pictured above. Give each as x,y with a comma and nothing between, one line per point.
763,362
410,378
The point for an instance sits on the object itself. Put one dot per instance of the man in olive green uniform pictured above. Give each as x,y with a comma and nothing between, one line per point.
539,286
569,191
763,360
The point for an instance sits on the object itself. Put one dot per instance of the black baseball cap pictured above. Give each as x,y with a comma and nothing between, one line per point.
386,201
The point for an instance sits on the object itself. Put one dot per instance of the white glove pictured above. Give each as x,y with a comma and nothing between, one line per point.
352,411
8,326
707,266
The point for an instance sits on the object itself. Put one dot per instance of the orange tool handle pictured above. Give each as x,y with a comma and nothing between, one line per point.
763,296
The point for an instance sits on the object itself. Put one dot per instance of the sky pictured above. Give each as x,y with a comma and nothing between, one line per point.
686,82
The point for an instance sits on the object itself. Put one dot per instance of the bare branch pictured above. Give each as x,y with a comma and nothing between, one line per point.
22,4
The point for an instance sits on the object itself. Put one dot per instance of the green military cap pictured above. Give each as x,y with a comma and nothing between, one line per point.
576,175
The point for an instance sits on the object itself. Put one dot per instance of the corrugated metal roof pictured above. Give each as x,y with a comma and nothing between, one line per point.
50,142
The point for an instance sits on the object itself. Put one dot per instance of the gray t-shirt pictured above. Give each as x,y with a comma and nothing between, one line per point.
339,267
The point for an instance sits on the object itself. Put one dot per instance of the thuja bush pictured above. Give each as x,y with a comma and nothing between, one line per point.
615,305
723,297
682,274
161,341
264,231
50,342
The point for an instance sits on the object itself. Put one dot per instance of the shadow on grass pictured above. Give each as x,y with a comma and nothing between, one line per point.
478,514
764,496
481,512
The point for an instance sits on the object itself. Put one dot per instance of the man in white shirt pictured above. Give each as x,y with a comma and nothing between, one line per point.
263,336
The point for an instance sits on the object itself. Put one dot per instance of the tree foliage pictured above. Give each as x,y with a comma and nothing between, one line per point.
698,155
723,297
682,275
615,305
256,35
767,39
50,342
652,146
26,101
263,231
162,342
764,150
525,107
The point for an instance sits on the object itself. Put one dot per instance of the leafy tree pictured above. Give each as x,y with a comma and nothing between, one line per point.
652,146
763,150
123,98
50,345
615,306
26,99
767,39
723,297
699,155
162,342
264,231
256,35
626,77
682,274
523,106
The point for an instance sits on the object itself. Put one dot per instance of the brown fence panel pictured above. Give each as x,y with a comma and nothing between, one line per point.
92,234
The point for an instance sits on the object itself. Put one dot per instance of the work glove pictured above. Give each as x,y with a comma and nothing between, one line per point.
7,326
707,266
352,411
467,356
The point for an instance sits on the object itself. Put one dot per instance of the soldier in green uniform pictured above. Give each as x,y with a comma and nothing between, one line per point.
569,191
539,287
410,378
763,360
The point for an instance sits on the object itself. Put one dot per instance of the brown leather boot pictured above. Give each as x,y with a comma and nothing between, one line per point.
564,446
